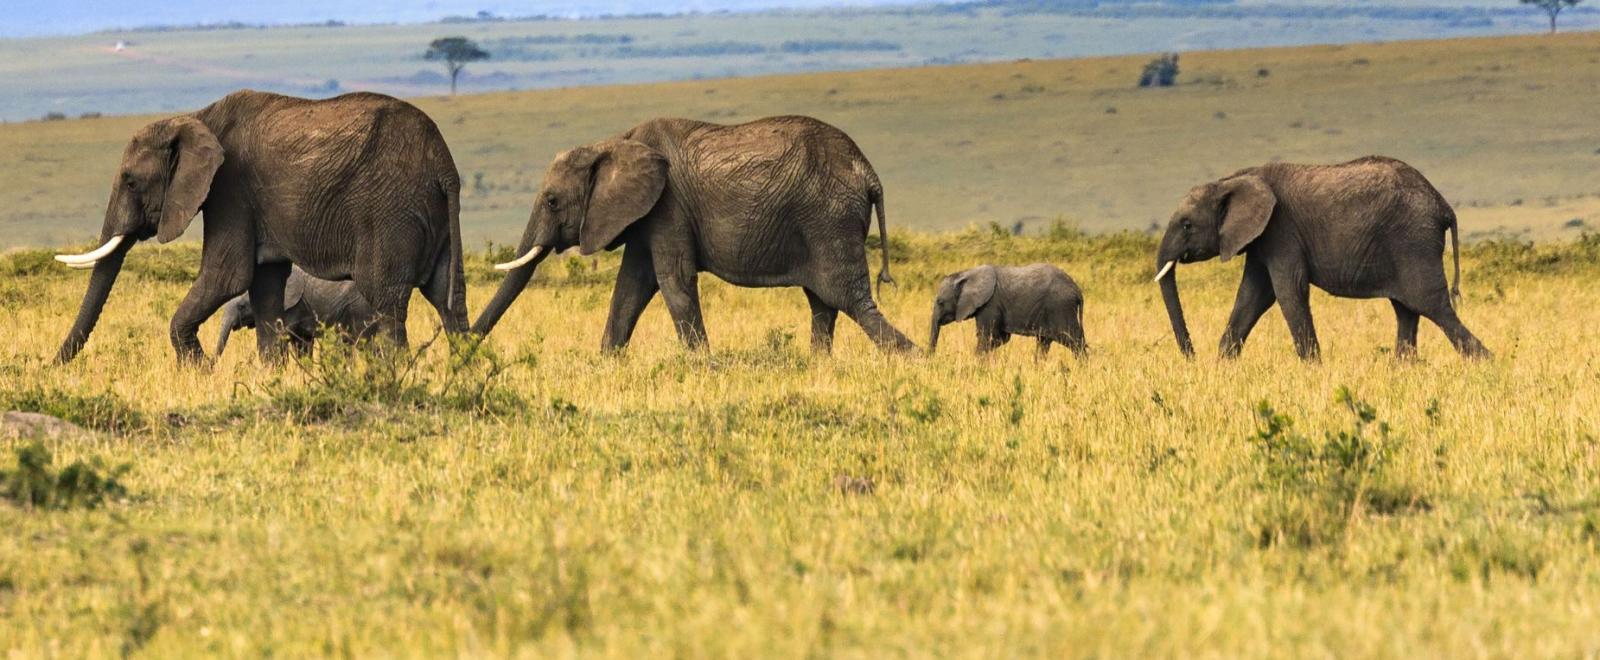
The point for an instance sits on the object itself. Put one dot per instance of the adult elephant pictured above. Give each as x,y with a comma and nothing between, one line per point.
782,201
1369,228
357,187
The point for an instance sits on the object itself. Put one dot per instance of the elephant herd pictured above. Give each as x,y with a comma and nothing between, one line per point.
328,213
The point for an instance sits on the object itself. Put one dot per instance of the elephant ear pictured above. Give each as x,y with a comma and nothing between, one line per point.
626,180
977,287
1249,204
294,290
196,155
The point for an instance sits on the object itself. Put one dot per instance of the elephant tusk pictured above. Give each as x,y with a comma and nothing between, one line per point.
522,260
1165,269
87,259
82,266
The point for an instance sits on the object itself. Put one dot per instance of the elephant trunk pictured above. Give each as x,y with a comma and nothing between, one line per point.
933,330
230,322
1167,275
105,274
530,253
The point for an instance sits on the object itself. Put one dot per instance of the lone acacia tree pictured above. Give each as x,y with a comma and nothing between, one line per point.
456,53
1553,8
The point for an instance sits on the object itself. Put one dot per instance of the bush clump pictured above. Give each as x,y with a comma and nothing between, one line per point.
1160,72
355,381
1318,487
34,484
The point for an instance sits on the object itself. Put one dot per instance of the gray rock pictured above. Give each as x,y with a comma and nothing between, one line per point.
27,425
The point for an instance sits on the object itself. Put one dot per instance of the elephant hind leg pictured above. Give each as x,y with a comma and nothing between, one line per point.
823,320
1438,309
1044,348
439,294
1405,339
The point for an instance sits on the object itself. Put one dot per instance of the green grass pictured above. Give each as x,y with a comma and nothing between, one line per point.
758,500
1502,127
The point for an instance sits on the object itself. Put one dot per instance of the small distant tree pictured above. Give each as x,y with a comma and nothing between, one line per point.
1553,8
1160,72
455,52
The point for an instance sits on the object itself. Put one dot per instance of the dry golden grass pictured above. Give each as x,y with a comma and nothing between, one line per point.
672,503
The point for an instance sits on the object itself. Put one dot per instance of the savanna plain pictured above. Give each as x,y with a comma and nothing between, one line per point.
529,496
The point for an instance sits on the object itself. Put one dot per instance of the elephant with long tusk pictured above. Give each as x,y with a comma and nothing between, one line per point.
1369,228
782,201
359,187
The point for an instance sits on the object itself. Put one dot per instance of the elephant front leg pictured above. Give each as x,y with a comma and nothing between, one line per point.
990,338
1254,299
680,287
1293,291
823,321
266,302
636,287
209,293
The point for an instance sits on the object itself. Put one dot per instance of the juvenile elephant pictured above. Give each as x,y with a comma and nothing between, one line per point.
309,304
783,201
1369,228
358,187
1037,300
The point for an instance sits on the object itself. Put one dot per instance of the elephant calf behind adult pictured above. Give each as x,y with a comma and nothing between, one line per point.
783,201
1038,300
309,305
1369,228
359,187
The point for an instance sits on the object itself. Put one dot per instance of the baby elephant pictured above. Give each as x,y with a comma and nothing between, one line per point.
308,304
1034,301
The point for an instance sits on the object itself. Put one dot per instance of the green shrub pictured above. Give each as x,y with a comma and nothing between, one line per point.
1317,488
35,485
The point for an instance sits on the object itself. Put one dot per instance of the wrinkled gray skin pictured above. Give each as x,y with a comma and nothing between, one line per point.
1037,300
1368,228
358,187
783,201
309,305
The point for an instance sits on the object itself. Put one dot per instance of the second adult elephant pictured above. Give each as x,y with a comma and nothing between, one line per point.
1369,228
309,305
783,201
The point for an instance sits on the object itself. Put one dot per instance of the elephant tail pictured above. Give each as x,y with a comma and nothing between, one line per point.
875,193
1455,248
458,288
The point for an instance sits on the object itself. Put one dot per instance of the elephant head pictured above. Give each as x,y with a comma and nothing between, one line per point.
1216,219
590,195
960,297
164,178
238,313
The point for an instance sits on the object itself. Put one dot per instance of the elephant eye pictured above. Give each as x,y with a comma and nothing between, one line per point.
1186,224
552,203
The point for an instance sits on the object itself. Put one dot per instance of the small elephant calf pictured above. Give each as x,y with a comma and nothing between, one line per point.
1037,300
308,304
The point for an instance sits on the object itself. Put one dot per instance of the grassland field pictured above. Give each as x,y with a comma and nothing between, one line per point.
758,500
535,498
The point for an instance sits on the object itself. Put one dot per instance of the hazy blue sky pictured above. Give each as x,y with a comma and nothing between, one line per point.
40,17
